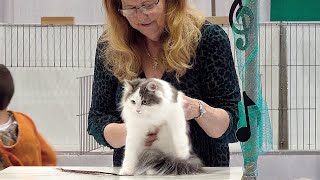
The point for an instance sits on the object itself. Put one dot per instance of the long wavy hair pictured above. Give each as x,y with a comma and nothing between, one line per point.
180,40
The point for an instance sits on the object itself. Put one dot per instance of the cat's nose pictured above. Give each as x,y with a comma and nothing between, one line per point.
138,111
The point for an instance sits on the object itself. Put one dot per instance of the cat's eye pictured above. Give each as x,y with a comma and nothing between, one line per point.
144,102
133,102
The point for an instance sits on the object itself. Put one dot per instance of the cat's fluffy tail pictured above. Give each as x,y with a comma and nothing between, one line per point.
155,162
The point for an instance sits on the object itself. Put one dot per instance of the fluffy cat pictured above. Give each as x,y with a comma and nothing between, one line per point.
147,105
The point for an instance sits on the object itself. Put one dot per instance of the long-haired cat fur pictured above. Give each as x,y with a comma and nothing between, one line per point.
148,105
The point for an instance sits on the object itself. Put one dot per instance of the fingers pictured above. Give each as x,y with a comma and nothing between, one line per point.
148,144
151,138
190,107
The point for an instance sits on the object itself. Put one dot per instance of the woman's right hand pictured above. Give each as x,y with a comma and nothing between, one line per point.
151,137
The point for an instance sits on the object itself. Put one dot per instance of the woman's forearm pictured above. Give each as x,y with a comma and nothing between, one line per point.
115,134
214,122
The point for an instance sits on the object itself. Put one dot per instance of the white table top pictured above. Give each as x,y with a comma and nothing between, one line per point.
48,173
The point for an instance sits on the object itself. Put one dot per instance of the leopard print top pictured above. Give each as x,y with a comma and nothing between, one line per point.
212,79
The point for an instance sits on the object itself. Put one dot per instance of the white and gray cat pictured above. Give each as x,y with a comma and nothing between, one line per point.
147,105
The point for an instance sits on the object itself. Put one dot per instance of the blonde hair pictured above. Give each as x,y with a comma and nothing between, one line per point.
179,44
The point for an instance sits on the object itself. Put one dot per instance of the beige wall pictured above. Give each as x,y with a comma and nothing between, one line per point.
30,11
91,12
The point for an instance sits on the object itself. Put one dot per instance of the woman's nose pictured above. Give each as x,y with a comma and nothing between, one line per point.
141,16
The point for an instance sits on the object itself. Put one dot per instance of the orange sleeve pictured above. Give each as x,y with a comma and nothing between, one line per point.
48,155
8,159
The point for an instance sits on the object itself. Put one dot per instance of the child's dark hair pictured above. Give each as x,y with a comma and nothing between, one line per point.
6,87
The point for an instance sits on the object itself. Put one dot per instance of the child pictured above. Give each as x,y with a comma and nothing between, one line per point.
20,142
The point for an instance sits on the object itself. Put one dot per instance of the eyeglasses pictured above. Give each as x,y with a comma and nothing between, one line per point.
145,8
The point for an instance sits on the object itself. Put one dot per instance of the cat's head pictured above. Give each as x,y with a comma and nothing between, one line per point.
142,95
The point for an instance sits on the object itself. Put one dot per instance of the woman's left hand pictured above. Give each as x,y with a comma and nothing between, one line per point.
190,107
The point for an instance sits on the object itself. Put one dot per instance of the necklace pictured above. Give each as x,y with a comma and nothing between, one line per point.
155,60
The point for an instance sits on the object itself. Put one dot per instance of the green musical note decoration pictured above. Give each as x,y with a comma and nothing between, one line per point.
254,127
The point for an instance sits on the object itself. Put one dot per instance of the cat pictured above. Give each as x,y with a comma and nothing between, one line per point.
148,105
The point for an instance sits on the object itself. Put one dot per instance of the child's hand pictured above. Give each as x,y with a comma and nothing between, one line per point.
151,137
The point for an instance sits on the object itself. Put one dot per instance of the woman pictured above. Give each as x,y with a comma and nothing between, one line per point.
168,40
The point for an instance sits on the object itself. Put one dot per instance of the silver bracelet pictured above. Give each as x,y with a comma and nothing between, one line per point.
201,109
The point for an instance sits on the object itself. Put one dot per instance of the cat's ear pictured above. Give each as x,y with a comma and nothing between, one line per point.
152,86
133,83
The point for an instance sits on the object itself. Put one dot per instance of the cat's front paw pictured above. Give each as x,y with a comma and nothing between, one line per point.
151,172
126,171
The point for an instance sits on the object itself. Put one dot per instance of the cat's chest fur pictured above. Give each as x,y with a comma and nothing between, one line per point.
164,141
146,120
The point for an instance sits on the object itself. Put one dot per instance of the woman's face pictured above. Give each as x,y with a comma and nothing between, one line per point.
149,19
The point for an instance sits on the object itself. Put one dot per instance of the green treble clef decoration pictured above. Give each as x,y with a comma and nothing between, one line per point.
247,19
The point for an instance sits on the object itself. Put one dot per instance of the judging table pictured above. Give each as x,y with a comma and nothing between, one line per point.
54,173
